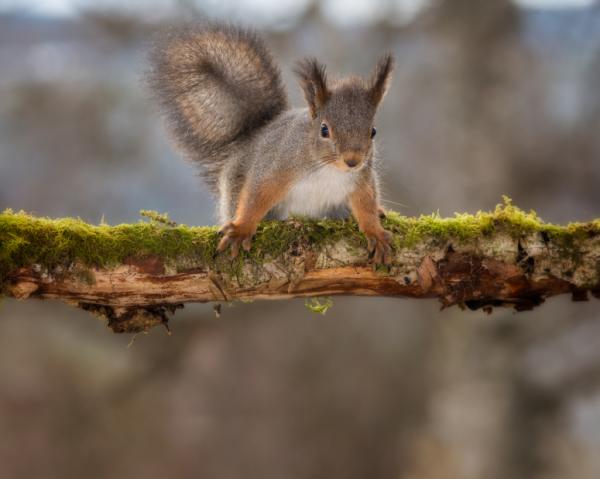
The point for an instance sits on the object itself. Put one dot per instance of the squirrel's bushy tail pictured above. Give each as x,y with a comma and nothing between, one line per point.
217,84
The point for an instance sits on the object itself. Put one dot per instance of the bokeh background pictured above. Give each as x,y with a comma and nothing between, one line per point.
489,98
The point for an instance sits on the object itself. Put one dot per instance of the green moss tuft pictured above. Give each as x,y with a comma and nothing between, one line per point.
319,305
156,217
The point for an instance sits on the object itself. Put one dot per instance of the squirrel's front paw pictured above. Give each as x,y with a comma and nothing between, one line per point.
380,248
235,236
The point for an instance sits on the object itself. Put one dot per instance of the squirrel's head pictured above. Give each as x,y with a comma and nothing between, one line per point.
343,112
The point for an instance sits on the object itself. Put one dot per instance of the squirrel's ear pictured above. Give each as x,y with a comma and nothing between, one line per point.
313,82
381,77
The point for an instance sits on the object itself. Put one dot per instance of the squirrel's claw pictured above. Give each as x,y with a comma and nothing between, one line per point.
234,236
380,248
247,243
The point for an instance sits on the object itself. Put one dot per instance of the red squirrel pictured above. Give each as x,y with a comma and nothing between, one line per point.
223,96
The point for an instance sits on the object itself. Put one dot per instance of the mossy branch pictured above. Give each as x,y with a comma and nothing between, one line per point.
134,274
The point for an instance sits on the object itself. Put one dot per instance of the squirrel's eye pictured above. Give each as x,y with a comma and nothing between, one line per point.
373,132
324,130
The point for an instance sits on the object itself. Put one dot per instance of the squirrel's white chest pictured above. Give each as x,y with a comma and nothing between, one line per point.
318,194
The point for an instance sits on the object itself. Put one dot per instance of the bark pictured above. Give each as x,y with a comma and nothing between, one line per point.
500,268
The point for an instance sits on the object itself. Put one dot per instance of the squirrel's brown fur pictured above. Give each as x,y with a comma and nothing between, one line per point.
228,111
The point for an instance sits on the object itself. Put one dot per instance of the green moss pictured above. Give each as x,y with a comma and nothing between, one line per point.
318,305
25,239
505,218
156,217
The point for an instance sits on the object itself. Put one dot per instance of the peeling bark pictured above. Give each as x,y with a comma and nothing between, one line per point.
499,269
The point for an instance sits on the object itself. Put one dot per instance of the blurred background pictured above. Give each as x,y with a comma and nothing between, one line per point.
489,98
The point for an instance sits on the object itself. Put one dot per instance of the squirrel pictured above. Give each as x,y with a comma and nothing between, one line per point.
223,97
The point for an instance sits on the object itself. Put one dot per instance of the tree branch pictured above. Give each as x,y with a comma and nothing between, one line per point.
133,275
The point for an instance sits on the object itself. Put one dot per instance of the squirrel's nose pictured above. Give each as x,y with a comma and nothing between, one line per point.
352,160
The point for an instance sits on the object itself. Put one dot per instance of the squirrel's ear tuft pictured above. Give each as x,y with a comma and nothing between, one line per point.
313,81
381,77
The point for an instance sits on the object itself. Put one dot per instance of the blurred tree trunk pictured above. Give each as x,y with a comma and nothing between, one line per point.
481,58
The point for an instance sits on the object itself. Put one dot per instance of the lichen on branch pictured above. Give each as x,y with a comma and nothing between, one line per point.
142,270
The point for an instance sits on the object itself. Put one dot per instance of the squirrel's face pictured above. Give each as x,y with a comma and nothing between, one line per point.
343,114
345,128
